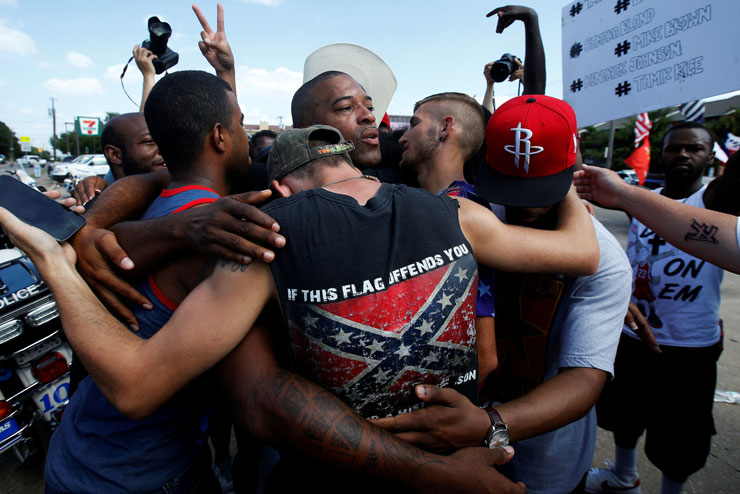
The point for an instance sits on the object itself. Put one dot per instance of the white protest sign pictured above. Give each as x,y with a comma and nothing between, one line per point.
624,57
88,126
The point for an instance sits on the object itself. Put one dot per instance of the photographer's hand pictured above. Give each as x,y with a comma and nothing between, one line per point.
487,73
488,95
518,74
143,58
215,47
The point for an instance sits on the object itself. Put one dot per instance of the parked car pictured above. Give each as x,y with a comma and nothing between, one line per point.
629,176
654,180
2,159
29,160
83,166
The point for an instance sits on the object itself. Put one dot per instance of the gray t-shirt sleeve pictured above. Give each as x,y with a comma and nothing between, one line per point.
595,310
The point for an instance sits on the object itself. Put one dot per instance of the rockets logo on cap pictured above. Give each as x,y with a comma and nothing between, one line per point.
529,138
528,150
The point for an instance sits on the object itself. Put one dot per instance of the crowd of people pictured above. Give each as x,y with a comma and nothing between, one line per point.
446,318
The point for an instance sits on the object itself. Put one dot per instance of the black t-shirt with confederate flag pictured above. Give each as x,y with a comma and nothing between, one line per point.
377,298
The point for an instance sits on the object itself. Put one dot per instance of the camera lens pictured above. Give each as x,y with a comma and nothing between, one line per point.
501,70
159,33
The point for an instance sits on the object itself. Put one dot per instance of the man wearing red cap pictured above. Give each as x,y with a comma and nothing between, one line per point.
556,335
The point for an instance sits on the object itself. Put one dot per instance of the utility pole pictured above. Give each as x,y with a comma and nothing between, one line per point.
53,114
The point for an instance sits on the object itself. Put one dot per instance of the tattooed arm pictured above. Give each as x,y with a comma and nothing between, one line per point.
137,376
706,234
287,410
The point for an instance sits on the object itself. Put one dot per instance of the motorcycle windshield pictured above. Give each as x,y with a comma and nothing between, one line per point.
15,276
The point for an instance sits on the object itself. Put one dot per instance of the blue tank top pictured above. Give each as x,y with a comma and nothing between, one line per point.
96,448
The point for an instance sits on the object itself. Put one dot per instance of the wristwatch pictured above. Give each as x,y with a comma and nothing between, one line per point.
498,436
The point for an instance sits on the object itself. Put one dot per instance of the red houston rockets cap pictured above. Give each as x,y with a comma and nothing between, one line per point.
532,137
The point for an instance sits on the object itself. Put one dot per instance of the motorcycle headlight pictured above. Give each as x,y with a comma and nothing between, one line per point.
10,329
42,315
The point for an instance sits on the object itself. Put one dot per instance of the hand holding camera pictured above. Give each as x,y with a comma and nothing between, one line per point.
144,59
159,33
507,66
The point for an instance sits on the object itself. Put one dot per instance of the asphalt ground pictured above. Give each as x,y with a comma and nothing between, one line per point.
720,475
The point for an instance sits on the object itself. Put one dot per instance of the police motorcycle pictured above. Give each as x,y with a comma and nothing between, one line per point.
35,358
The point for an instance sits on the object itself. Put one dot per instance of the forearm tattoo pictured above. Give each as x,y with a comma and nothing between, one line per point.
702,232
332,433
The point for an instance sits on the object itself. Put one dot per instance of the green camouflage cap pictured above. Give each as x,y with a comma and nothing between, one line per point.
291,149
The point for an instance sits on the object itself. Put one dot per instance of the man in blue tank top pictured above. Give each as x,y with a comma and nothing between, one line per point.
197,123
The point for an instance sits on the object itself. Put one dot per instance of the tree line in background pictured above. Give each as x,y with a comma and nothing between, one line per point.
66,142
594,141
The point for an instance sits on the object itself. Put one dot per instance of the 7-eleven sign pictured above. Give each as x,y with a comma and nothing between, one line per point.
88,126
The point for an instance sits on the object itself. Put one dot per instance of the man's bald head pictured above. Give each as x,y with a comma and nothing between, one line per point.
336,99
128,146
119,125
303,105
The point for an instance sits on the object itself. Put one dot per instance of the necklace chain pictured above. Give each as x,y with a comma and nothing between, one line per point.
366,177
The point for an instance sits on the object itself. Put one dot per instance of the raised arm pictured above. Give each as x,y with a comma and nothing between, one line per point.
289,411
215,47
571,249
535,75
144,59
707,234
138,376
487,102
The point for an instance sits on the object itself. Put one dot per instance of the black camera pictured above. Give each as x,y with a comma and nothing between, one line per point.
159,33
504,67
